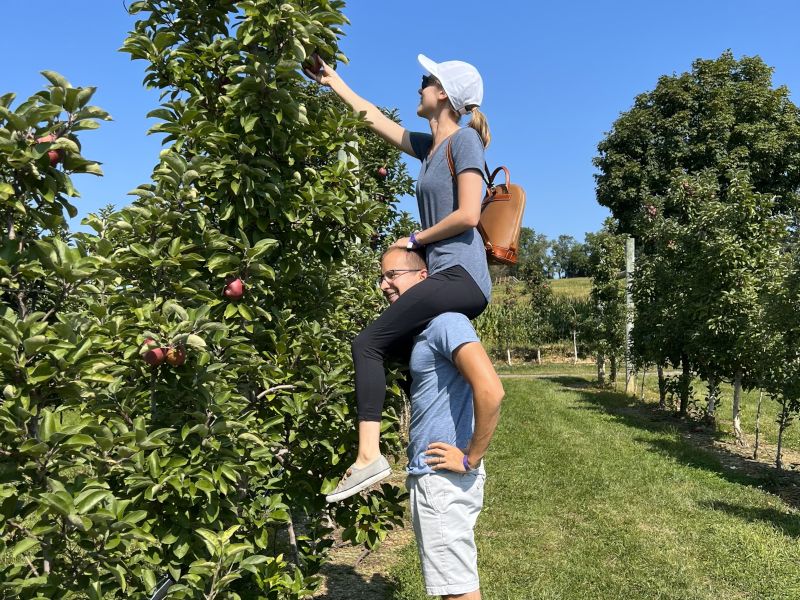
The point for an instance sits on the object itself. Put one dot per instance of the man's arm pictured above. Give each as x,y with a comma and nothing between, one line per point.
487,391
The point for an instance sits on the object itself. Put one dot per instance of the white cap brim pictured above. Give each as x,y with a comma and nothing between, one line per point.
428,65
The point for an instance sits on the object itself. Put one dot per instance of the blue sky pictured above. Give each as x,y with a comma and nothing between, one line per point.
556,75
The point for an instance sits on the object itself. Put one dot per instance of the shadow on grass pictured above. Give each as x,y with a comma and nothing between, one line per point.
345,583
788,524
693,446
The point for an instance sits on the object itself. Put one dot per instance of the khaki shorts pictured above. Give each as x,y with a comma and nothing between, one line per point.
444,508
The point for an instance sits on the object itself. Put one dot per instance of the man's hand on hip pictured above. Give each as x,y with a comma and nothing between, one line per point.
447,457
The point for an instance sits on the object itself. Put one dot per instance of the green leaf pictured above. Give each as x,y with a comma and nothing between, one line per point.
33,448
154,465
85,95
205,485
23,546
248,122
48,425
60,502
33,344
222,262
56,79
195,341
251,561
79,440
88,499
134,517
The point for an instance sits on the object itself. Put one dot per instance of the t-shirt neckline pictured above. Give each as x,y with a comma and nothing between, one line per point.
442,143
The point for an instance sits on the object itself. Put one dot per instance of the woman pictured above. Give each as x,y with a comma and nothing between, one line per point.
449,211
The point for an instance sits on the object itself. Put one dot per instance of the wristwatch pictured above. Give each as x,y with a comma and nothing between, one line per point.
413,244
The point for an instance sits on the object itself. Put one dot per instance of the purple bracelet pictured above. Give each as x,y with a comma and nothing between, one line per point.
413,240
465,462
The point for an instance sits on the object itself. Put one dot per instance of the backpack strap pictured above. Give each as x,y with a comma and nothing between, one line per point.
451,163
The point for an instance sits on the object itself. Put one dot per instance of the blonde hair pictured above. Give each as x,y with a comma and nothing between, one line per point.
478,123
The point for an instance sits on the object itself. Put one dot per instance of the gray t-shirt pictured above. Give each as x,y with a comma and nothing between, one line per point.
441,399
437,197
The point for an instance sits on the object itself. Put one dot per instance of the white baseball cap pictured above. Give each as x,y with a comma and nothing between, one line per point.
461,81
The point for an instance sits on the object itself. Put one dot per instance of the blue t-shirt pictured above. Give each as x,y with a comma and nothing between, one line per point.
437,197
441,399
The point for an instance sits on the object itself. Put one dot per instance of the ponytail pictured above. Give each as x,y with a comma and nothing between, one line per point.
479,124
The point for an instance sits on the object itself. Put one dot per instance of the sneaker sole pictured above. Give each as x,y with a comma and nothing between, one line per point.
360,487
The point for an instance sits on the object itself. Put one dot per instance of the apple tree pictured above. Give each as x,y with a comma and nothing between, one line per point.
57,511
261,187
178,387
607,261
701,136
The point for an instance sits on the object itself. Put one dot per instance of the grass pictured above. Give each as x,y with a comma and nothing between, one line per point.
546,368
592,495
572,287
749,404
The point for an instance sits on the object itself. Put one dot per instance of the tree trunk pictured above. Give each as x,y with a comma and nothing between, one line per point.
737,417
613,374
575,346
293,541
783,421
508,356
686,380
644,375
662,388
538,356
712,400
601,369
758,423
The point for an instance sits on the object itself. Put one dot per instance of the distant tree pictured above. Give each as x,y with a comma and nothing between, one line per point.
578,263
560,249
534,262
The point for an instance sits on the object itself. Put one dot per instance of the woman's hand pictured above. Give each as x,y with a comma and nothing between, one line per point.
445,457
323,75
401,243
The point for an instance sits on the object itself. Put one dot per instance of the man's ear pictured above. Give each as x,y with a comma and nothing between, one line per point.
423,274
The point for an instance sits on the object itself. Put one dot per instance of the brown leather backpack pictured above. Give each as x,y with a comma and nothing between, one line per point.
501,213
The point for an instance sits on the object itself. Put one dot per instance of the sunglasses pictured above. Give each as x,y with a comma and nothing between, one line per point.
429,80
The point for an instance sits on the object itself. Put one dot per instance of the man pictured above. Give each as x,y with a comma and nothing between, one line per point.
455,405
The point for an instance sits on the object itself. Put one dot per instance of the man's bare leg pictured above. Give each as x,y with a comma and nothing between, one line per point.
476,595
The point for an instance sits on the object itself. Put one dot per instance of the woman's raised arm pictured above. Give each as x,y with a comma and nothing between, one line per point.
381,124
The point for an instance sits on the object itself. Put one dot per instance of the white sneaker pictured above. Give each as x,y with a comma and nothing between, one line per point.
356,480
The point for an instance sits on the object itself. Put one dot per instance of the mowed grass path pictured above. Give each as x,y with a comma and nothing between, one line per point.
590,496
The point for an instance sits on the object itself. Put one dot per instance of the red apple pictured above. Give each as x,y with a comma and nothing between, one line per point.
382,172
151,353
176,356
55,156
234,289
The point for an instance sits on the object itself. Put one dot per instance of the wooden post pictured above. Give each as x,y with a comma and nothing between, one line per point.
630,248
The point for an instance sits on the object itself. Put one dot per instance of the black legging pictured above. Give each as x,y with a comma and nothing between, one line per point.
450,290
